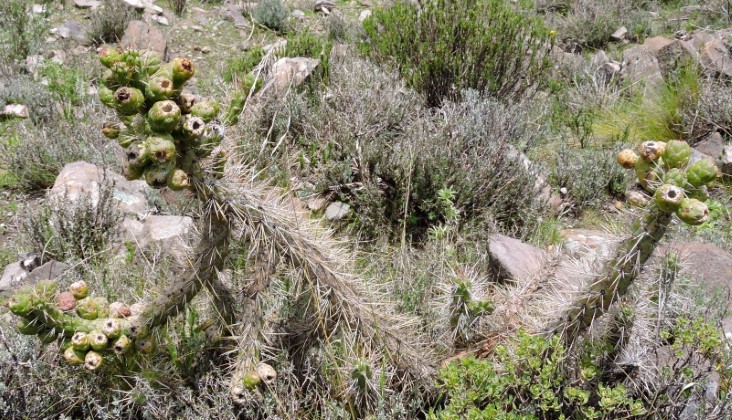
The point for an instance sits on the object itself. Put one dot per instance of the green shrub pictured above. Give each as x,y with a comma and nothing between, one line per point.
67,84
177,6
308,44
21,31
240,65
22,89
272,13
451,45
108,23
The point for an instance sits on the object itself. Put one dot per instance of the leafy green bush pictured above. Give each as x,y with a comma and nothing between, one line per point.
67,84
452,45
21,32
108,23
272,14
308,44
240,65
22,89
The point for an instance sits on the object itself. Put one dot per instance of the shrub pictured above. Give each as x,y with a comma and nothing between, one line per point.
272,13
21,89
108,23
240,65
308,44
66,84
177,6
21,32
449,46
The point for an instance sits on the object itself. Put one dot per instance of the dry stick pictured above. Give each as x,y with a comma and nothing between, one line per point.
614,283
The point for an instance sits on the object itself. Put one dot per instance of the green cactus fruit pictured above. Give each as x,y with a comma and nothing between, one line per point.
106,96
122,72
668,197
693,211
145,345
28,326
652,150
151,61
156,175
109,56
676,177
74,357
98,341
122,345
80,341
159,149
92,308
701,172
128,100
480,308
193,127
186,100
178,180
79,289
647,173
207,110
164,116
627,159
93,361
21,303
136,158
183,69
699,193
160,88
676,154
110,130
112,328
47,336
251,380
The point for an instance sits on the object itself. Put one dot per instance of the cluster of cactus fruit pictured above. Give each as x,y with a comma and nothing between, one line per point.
89,329
678,186
164,129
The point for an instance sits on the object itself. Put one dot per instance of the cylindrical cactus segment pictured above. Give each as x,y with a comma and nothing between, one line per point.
111,328
98,341
122,345
21,303
178,180
627,158
150,60
668,197
160,88
79,289
159,148
46,290
206,110
80,341
652,150
47,336
183,69
676,154
93,361
109,56
676,177
164,116
74,357
701,172
28,326
186,100
693,211
128,100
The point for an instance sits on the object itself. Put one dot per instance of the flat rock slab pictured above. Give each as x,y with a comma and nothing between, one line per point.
170,234
512,259
337,211
578,243
16,276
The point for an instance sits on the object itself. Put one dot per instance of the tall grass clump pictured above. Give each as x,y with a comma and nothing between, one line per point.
447,46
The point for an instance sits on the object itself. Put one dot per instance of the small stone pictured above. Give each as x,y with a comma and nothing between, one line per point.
337,210
711,145
298,14
162,20
619,34
196,28
38,9
364,15
87,4
14,111
725,161
317,203
324,6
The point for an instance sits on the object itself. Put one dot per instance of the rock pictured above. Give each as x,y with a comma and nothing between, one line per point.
599,59
14,111
608,72
317,203
236,14
668,52
13,276
20,273
298,14
716,57
725,161
619,34
57,56
291,72
365,14
139,35
641,65
697,156
31,64
711,145
38,9
161,20
324,6
337,211
87,4
51,270
169,234
196,28
82,179
144,6
512,259
579,242
70,30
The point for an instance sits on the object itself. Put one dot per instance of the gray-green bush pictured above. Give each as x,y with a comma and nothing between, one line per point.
272,14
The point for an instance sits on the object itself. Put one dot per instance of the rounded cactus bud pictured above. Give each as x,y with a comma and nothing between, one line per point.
112,328
47,336
193,127
157,175
159,88
66,301
46,290
183,69
676,154
109,56
206,110
668,197
110,130
119,310
128,100
74,357
693,211
135,157
159,148
251,380
80,341
150,60
92,308
178,180
701,172
164,116
700,193
79,289
627,159
676,177
652,150
21,303
123,73
106,96
98,341
647,173
93,361
186,100
28,326
267,373
122,345
145,345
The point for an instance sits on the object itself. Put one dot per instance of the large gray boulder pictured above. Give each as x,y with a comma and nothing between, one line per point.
161,234
640,65
512,259
725,160
141,36
716,57
669,52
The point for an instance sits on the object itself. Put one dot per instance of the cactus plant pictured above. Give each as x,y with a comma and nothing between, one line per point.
676,154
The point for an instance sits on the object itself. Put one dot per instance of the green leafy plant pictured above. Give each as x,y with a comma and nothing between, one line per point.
447,46
271,13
